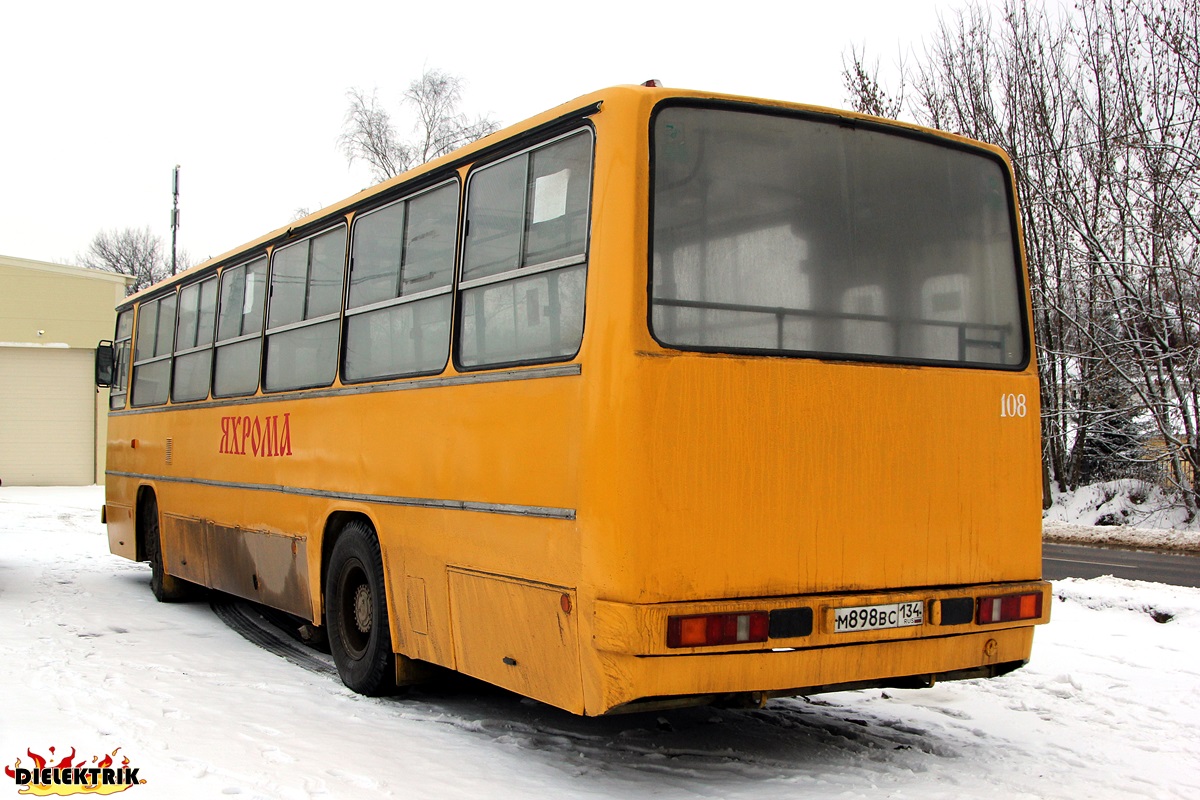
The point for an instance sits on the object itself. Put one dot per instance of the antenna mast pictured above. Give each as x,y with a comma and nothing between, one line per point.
174,216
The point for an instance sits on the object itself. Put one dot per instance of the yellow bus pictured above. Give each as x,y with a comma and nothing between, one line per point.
660,397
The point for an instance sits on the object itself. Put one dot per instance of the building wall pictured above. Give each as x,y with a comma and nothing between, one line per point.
53,422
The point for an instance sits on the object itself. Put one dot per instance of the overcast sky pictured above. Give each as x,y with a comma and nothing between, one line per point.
99,100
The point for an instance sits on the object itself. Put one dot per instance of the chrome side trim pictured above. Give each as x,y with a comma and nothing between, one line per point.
549,512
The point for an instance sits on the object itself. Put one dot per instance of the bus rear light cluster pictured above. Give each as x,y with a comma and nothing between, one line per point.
1009,608
703,630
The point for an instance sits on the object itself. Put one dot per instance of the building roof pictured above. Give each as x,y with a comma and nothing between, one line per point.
64,269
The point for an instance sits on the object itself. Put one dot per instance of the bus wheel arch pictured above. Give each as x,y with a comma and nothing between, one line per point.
166,587
335,524
145,496
356,611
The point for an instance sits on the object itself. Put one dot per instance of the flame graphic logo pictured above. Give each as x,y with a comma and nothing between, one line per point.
71,776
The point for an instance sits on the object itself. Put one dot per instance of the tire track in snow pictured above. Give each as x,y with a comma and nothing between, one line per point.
251,625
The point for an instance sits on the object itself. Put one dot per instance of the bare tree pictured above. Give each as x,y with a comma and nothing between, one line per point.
439,127
368,136
867,93
138,253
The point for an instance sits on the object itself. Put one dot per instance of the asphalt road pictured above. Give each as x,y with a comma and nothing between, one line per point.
1078,561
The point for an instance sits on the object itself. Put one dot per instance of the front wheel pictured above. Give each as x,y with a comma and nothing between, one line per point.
356,613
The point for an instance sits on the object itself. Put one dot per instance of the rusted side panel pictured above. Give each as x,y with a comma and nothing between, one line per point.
185,548
269,568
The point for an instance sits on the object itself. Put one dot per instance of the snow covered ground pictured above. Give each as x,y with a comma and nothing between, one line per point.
1108,708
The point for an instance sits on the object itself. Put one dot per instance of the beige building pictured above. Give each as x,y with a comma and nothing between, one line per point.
52,418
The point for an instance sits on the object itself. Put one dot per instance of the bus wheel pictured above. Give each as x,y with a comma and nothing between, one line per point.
166,588
356,613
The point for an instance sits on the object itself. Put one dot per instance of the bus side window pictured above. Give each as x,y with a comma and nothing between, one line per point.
305,308
398,307
193,341
525,255
152,351
239,329
121,346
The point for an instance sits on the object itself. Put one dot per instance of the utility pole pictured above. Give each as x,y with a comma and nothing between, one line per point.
174,216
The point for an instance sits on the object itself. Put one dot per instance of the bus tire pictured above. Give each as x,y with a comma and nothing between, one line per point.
356,613
166,587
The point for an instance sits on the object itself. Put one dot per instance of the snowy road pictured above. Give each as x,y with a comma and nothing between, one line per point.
1109,707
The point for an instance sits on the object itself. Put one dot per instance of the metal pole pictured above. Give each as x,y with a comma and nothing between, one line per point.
174,217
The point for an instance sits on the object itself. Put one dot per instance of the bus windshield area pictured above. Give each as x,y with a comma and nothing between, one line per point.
802,236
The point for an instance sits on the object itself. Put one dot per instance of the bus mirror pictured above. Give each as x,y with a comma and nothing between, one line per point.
104,363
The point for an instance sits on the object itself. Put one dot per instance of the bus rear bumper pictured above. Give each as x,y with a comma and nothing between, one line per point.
813,621
634,683
948,635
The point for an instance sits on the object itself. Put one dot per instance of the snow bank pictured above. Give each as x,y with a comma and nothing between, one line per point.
1140,538
1163,604
1124,513
1122,502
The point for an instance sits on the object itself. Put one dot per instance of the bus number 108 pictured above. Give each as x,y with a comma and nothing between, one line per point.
1012,405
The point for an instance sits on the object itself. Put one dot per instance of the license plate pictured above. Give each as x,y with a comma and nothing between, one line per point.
877,618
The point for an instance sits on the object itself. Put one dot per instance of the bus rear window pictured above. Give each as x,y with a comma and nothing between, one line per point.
783,235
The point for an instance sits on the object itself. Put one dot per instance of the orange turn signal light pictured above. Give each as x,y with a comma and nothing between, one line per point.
1009,608
703,630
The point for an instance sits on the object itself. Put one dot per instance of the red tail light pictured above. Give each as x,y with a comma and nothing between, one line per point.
703,630
1009,608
